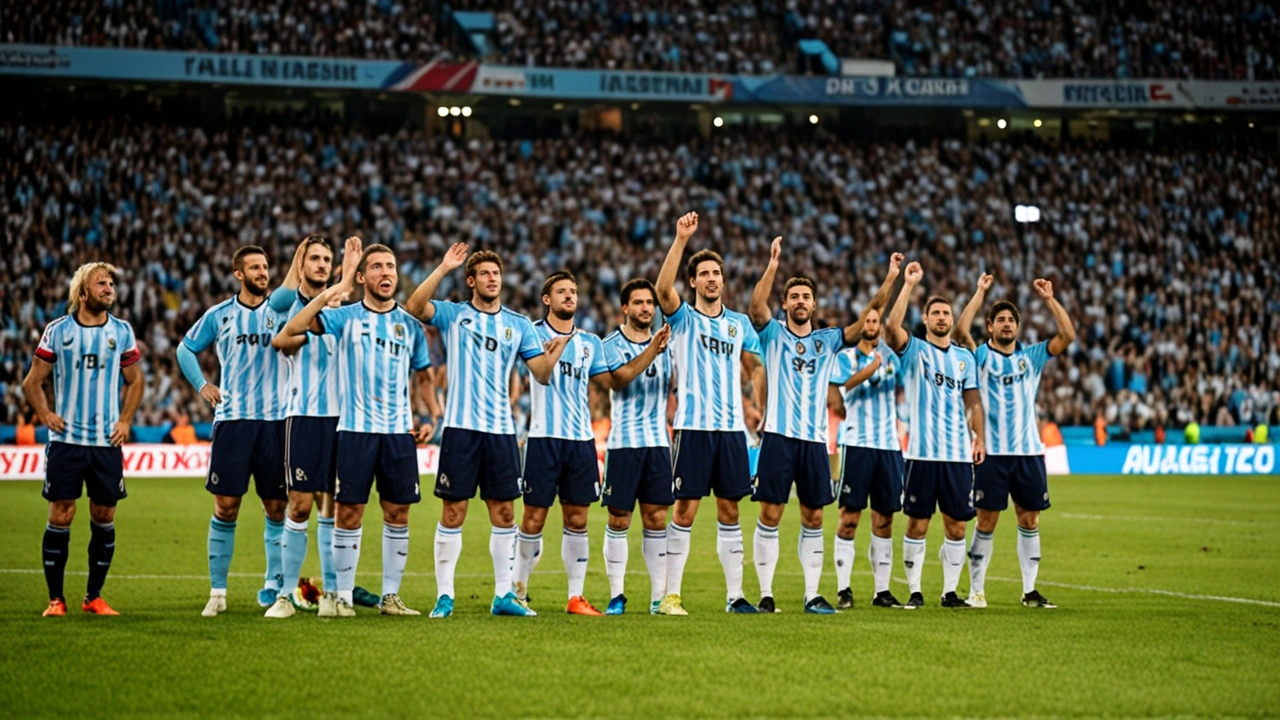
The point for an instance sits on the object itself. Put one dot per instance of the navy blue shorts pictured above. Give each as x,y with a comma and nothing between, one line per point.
247,447
949,485
470,459
784,461
707,461
311,453
390,459
1022,476
566,467
642,474
70,468
871,473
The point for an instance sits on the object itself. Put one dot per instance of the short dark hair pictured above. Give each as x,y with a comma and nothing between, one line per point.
1004,305
482,256
237,260
934,300
372,250
556,277
637,284
317,239
700,257
792,282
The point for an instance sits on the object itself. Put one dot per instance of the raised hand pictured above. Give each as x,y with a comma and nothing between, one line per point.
914,273
895,263
299,257
455,258
686,226
662,338
335,295
775,251
1043,288
985,282
351,251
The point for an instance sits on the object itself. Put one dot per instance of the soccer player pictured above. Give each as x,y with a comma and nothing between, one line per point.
942,387
478,447
863,392
637,461
713,346
379,348
1009,375
560,454
311,425
799,361
248,421
87,351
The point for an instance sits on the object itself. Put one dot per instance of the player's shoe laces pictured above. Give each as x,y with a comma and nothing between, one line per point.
767,605
509,605
443,608
741,606
217,604
97,606
617,606
672,605
1035,599
844,599
915,601
578,605
364,598
392,605
977,600
281,608
343,608
267,596
884,598
819,606
57,608
328,605
952,600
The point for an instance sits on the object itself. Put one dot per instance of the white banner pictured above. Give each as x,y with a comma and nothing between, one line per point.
1151,94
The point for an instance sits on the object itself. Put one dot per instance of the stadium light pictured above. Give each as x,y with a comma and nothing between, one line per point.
455,111
466,111
813,119
1037,123
1026,213
442,111
1250,124
718,122
1001,123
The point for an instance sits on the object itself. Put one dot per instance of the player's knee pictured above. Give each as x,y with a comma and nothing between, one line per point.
727,511
62,512
987,521
917,528
811,517
349,517
655,519
102,514
1029,519
953,529
226,508
619,520
453,513
501,514
771,514
575,517
881,525
300,509
275,509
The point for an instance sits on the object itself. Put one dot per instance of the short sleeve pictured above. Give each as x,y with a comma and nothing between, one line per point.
680,318
751,339
283,299
421,357
599,364
910,352
613,355
766,334
970,374
834,339
48,341
1039,355
203,333
334,320
130,344
844,368
446,313
530,341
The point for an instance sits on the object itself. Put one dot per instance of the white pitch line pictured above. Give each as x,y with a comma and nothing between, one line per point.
1153,518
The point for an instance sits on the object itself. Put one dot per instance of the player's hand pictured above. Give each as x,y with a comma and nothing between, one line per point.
895,264
555,345
662,338
985,281
299,257
211,394
775,252
424,433
979,451
120,434
54,421
351,260
686,226
335,295
753,417
1043,288
455,258
875,361
914,273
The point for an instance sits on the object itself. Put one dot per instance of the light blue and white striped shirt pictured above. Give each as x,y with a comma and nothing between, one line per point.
639,415
87,363
871,413
798,370
1009,385
480,349
378,352
708,359
560,409
935,380
313,373
254,378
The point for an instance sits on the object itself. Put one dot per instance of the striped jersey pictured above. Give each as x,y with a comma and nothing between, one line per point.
708,360
559,409
639,415
481,348
798,370
313,373
1009,384
935,380
87,363
378,352
871,413
254,377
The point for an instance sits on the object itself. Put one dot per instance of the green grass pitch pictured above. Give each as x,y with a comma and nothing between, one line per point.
1169,594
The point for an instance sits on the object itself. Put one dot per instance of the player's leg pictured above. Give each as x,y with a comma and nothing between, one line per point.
731,481
499,487
228,481
656,497
771,488
541,474
1030,490
65,467
105,483
622,471
579,488
854,478
691,463
300,473
398,489
267,464
457,478
885,498
990,498
357,460
324,542
955,502
919,489
813,490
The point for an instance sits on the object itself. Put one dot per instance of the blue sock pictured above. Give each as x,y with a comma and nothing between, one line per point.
324,538
346,555
222,544
293,551
272,534
54,549
102,548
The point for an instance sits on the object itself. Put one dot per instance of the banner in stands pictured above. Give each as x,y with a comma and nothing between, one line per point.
601,84
1172,460
886,91
1151,94
26,462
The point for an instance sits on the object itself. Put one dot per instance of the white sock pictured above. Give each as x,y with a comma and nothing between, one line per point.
654,548
448,550
880,555
952,557
979,561
575,551
677,556
395,555
729,548
615,560
844,552
502,550
528,553
1029,557
346,556
811,556
764,550
913,561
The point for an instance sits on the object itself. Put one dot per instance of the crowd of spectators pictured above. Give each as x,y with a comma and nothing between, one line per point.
1228,39
1165,256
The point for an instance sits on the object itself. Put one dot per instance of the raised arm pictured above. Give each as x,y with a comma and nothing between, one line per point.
419,303
853,333
864,374
894,336
282,299
668,298
1066,329
759,311
977,423
33,388
542,366
308,318
961,333
622,377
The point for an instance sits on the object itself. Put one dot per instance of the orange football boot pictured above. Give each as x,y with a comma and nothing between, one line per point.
578,605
